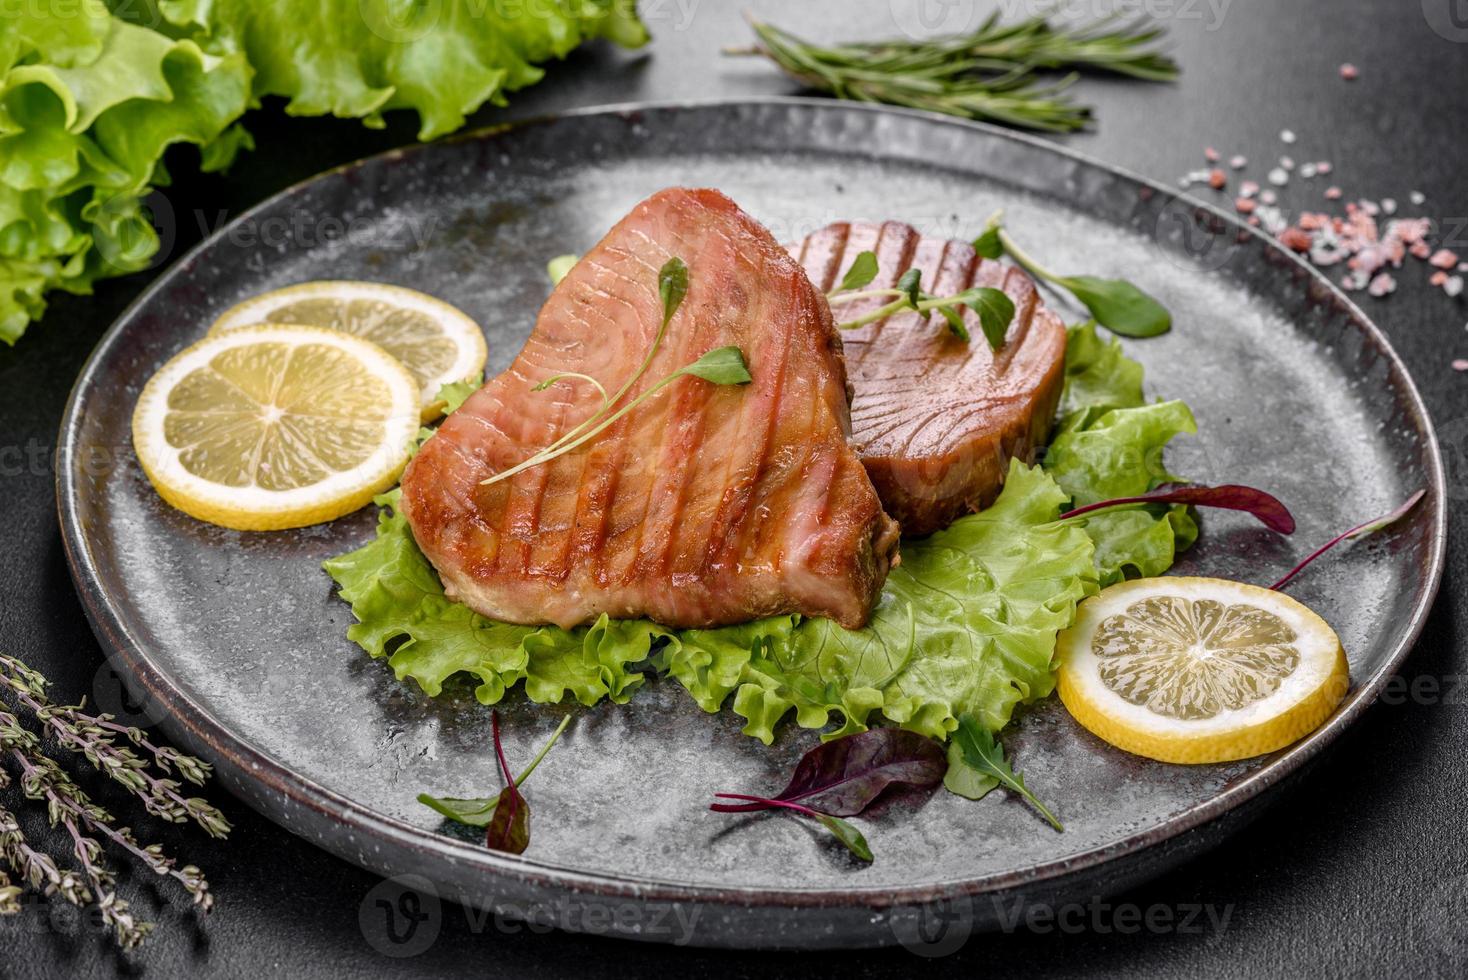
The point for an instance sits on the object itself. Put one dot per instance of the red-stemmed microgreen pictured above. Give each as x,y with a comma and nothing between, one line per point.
1359,531
844,776
1116,304
849,836
503,816
509,828
720,366
1270,511
994,307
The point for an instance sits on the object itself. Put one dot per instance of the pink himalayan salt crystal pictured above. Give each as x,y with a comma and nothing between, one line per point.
1216,179
1350,72
1332,193
1437,278
1382,284
1249,188
1210,154
1238,162
1323,167
1443,259
1244,205
1460,364
1420,250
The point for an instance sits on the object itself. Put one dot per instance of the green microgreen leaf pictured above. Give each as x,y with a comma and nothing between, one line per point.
1119,306
956,326
480,812
910,284
847,835
988,244
863,270
672,286
722,366
996,312
1116,304
557,267
982,766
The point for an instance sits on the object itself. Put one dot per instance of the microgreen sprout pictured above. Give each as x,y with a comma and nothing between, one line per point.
994,307
1116,304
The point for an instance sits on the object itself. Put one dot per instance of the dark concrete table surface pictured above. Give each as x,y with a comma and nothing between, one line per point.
1361,869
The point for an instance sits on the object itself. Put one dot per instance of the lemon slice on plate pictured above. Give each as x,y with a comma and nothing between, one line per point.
437,342
1199,669
272,426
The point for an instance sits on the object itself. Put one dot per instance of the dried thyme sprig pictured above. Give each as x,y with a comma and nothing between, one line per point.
987,74
95,737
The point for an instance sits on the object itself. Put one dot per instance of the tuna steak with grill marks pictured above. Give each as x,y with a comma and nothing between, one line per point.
937,419
708,504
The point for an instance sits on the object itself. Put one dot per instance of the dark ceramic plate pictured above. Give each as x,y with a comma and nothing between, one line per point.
240,641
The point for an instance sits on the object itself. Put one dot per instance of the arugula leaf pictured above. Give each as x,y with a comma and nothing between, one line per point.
976,765
863,270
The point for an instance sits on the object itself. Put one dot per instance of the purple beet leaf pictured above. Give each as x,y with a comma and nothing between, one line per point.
843,776
1229,496
509,828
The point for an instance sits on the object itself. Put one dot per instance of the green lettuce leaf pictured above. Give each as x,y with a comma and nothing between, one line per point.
1109,443
965,624
359,58
88,104
402,614
90,98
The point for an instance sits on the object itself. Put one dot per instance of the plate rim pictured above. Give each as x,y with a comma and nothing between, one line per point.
196,724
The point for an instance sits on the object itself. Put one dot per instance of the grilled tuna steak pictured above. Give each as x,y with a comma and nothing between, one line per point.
936,419
707,504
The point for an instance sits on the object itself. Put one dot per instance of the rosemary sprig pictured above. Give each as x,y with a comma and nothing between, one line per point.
988,74
97,739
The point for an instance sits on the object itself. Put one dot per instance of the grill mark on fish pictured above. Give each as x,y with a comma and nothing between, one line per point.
689,510
935,420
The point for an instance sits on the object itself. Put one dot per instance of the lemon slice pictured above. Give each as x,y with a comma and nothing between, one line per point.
437,342
274,426
1199,669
